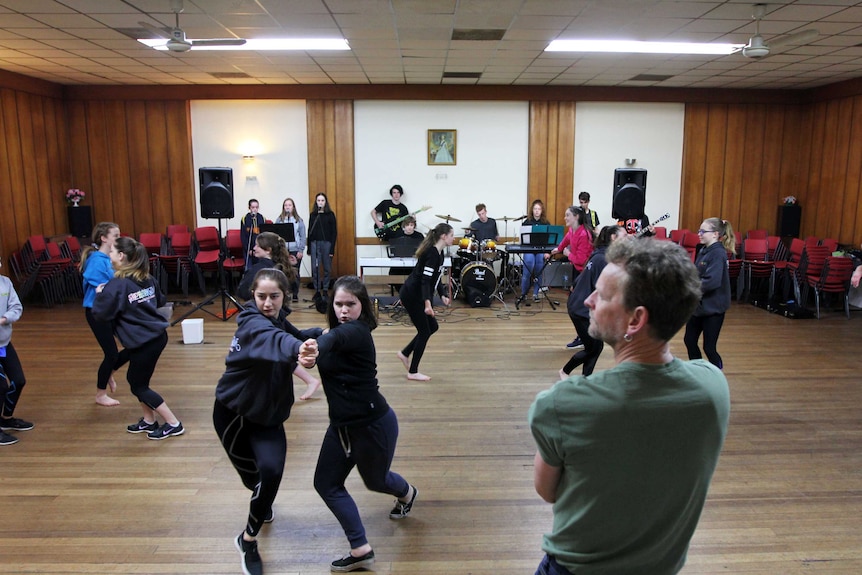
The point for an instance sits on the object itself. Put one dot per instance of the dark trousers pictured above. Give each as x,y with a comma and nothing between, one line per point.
370,449
710,327
258,453
425,327
14,381
592,347
142,365
549,566
114,358
294,287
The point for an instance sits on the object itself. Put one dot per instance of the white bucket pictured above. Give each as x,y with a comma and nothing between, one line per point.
193,330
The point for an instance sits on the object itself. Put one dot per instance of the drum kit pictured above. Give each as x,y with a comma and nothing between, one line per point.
473,274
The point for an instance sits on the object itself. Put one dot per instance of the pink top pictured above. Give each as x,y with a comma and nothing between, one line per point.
580,244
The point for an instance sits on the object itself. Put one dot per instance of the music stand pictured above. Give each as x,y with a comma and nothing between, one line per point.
222,292
284,231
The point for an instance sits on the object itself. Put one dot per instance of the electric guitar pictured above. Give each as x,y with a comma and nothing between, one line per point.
383,233
646,229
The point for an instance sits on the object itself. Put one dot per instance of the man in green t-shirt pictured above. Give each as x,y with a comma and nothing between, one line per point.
626,455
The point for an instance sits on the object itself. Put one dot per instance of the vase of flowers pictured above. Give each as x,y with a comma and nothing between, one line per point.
74,196
790,201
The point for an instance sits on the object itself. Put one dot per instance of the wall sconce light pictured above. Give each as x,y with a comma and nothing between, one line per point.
631,161
248,158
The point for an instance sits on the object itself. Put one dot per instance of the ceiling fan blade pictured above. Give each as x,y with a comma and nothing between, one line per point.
219,42
160,32
796,39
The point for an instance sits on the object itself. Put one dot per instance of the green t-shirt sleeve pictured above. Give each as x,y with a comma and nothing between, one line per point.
545,428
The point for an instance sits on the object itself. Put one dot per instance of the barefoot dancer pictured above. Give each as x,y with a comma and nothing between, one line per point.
97,270
417,293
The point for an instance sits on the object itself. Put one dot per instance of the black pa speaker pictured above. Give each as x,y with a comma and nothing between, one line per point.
216,193
789,221
629,193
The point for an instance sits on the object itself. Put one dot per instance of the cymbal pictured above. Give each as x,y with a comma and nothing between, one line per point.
508,219
448,218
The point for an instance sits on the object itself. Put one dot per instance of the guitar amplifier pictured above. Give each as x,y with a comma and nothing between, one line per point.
558,273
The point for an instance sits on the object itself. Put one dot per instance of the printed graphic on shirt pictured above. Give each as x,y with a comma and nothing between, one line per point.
143,295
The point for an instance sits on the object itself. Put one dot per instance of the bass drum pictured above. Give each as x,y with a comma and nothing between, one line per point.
478,283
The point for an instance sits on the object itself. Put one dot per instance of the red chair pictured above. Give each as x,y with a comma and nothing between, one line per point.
812,241
785,263
834,278
234,264
810,268
690,242
72,248
734,269
660,233
177,262
154,243
755,262
206,238
757,235
676,235
207,251
830,243
172,229
772,243
34,250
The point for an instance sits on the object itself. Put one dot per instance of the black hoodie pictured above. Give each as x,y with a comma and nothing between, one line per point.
258,378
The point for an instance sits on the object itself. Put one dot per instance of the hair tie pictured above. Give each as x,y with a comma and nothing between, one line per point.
94,245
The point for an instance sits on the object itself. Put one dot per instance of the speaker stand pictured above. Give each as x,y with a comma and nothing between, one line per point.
222,293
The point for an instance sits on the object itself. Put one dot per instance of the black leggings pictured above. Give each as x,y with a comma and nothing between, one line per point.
710,326
114,358
592,347
142,365
12,385
258,453
425,326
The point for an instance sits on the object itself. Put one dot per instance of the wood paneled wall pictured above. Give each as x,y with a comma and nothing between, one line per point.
551,168
34,168
134,159
740,161
331,171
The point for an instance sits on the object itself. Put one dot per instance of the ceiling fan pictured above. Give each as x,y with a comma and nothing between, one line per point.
757,48
176,39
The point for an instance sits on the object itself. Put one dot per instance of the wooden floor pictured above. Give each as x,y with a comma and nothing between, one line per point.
80,495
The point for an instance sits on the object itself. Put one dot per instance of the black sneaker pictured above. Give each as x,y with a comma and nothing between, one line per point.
142,427
166,431
270,516
6,439
401,510
251,561
574,343
351,563
15,424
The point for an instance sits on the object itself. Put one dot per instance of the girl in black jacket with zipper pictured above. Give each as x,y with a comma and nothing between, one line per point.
130,302
254,397
717,238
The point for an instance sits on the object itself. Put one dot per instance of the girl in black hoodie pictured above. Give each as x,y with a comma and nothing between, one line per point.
254,397
130,301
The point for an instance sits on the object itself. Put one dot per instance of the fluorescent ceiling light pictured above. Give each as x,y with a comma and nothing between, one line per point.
633,47
264,44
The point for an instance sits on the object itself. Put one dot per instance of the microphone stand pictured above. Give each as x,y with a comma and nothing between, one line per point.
222,292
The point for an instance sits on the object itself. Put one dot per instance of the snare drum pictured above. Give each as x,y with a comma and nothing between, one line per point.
478,283
489,251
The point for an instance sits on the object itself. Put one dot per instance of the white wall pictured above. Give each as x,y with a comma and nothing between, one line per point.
608,133
391,148
491,161
274,131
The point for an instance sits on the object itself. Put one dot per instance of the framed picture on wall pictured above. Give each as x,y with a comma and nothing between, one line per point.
442,147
